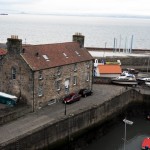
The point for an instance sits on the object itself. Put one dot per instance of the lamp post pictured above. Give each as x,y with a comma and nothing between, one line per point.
125,130
65,107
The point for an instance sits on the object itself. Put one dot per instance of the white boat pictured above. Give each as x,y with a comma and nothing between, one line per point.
125,79
143,80
147,83
7,99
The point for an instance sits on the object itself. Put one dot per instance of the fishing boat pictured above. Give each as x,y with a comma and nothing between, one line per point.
146,144
125,79
7,99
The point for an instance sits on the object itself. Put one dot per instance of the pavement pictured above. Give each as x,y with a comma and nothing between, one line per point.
49,114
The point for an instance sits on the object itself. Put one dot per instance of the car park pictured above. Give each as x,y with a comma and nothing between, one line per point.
71,98
85,92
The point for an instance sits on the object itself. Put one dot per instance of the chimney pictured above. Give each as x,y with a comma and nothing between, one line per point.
78,37
14,45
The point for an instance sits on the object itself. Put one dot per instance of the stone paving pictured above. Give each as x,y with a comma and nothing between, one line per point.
14,129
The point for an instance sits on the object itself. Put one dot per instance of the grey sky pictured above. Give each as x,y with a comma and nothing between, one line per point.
133,7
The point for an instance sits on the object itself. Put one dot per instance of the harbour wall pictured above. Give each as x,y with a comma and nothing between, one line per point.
140,63
11,113
67,128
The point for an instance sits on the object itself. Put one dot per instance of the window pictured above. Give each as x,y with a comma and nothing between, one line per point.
40,75
74,80
77,53
40,90
13,73
88,65
75,67
59,71
65,55
46,57
87,76
58,85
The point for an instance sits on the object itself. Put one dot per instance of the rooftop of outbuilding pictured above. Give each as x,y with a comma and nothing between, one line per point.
109,69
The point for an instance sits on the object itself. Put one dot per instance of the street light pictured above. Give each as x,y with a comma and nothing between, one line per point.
125,131
65,107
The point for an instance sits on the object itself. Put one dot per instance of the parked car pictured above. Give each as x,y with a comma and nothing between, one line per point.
72,98
85,92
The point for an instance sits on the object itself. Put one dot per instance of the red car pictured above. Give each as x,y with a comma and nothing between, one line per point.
71,98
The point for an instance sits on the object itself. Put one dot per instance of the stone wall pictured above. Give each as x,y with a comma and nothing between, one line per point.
50,78
128,61
11,113
101,80
68,126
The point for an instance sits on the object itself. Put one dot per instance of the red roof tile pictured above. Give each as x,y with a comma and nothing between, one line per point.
51,55
109,69
2,52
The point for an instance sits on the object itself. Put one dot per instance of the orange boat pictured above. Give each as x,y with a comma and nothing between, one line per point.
146,144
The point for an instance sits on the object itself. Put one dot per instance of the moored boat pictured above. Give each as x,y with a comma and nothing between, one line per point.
146,144
125,79
143,80
147,83
7,99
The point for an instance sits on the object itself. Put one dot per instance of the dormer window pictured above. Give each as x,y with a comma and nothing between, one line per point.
75,67
13,73
40,75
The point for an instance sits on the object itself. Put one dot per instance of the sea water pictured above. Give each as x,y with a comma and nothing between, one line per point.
98,31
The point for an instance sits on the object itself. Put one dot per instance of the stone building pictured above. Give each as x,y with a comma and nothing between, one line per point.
2,54
43,74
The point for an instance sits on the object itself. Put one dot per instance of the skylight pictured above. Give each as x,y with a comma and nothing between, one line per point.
65,55
46,57
77,53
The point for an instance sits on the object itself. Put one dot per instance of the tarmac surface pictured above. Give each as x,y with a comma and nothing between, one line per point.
31,121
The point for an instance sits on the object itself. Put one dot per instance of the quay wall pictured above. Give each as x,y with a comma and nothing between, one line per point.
11,113
101,80
139,63
64,129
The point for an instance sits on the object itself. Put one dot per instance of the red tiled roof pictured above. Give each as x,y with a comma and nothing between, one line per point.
109,69
2,52
51,55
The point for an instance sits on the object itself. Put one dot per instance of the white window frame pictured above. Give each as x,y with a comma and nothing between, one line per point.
59,71
88,76
58,85
74,80
40,75
75,67
88,64
40,91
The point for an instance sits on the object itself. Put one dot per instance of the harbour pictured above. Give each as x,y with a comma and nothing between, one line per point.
57,124
43,125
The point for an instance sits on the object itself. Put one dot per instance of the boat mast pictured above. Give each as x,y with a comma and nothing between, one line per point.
131,44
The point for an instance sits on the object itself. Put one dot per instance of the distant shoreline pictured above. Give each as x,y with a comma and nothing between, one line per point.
89,15
3,14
